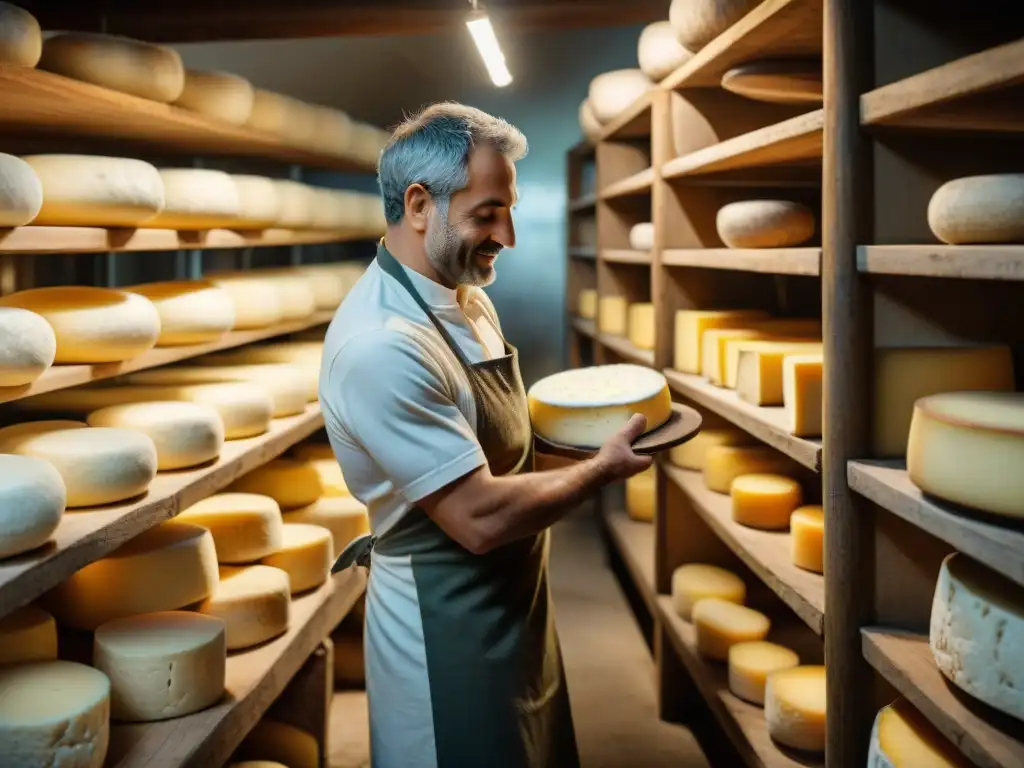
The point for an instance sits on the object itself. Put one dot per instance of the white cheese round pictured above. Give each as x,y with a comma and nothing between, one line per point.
258,201
33,498
270,112
161,665
589,125
191,311
295,355
185,434
333,130
27,634
21,191
197,198
296,204
641,236
327,285
795,705
297,298
21,39
244,526
764,224
257,302
780,81
611,93
344,516
698,22
305,555
219,95
292,484
979,209
281,742
659,51
253,601
28,346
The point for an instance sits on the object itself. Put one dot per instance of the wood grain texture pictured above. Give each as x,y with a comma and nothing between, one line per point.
306,700
637,184
774,261
633,123
634,541
965,262
627,349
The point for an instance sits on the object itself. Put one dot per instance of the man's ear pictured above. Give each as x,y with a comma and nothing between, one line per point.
417,206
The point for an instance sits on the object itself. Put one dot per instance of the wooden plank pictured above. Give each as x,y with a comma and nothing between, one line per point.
583,252
906,661
766,424
64,376
85,535
766,553
966,262
254,679
627,349
775,261
585,327
626,257
634,541
583,203
998,546
633,123
637,184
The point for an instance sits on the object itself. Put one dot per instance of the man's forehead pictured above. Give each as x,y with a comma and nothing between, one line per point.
492,178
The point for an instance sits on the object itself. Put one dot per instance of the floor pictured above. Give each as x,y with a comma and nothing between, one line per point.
608,665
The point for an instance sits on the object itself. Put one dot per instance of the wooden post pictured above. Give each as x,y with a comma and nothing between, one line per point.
306,702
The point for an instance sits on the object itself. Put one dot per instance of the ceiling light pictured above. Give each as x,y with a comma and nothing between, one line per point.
483,35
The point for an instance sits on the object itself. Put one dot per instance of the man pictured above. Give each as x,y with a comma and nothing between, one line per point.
427,415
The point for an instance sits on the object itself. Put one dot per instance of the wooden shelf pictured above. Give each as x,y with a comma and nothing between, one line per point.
967,262
634,541
967,94
766,424
255,678
627,349
887,484
585,327
64,376
774,29
626,257
583,203
86,535
583,251
40,105
775,261
906,661
633,123
632,186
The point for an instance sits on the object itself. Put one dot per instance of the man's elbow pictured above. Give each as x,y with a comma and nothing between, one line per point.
479,536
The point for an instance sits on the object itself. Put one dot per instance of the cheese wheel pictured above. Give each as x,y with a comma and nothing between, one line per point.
219,95
587,303
332,130
161,665
197,198
794,707
641,236
349,660
292,484
345,517
258,203
764,501
191,311
184,434
586,406
698,22
803,393
135,578
244,526
270,111
780,81
764,224
306,356
751,663
693,453
611,93
976,624
253,601
807,526
724,463
328,286
257,303
641,325
321,457
979,209
270,740
296,299
94,191
720,624
691,324
589,125
296,204
305,555
54,713
21,39
659,51
28,346
612,315
641,495
21,191
27,634
902,738
694,582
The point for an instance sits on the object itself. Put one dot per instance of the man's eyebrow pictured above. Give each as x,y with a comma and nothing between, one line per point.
492,202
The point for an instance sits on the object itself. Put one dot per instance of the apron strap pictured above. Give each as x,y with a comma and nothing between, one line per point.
356,553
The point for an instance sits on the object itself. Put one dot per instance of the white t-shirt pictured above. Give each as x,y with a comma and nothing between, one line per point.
399,411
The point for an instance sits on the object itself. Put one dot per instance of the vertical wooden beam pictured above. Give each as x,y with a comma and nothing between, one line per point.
306,702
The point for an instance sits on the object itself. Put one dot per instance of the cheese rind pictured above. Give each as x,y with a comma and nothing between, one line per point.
345,517
641,236
807,528
694,582
292,484
794,706
219,95
690,325
244,526
979,209
641,495
724,463
764,501
610,93
259,206
764,224
698,22
693,453
802,388
612,315
291,746
902,738
720,624
659,51
184,434
191,311
21,38
27,634
641,325
253,601
713,362
21,191
33,497
751,663
304,554
197,198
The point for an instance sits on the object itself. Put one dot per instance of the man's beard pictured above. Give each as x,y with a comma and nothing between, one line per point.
456,259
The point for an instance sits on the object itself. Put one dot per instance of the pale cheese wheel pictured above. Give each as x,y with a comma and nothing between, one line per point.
257,303
807,527
94,191
902,738
258,202
659,51
54,713
587,304
720,624
292,484
724,463
27,634
219,95
751,663
184,434
366,142
305,555
323,460
191,311
197,198
298,300
270,111
244,526
694,582
161,665
692,454
21,38
589,125
794,706
612,93
165,568
641,236
28,346
21,191
586,406
764,224
329,287
349,660
253,601
641,495
979,209
296,355
779,81
698,22
640,325
32,499
327,211
296,204
332,130
280,742
344,516
764,501
612,315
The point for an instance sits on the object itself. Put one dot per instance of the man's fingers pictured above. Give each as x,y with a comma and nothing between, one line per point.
635,427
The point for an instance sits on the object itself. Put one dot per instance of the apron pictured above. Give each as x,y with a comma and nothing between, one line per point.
497,690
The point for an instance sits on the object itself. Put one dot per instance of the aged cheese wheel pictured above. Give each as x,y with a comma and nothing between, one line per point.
641,495
751,663
764,501
902,738
191,311
21,39
367,142
979,209
781,81
764,224
328,286
694,582
344,516
807,526
296,204
244,526
720,624
641,325
291,746
219,95
589,125
27,634
94,191
692,454
702,117
322,458
185,434
698,22
305,555
613,315
254,602
119,63
659,51
304,354
259,206
611,93
21,191
32,497
641,236
332,130
257,302
794,706
724,463
27,346
292,484
197,198
270,111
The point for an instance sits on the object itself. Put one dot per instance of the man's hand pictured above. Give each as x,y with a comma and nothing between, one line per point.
616,457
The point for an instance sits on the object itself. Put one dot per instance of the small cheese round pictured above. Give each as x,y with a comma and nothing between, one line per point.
902,738
659,51
296,204
349,661
257,303
328,286
587,303
764,224
698,22
640,324
161,665
589,125
720,624
292,484
28,346
191,311
219,95
288,358
297,299
751,663
27,634
270,111
979,209
21,38
244,526
807,527
119,63
305,556
280,742
724,463
54,713
135,578
197,198
641,236
779,81
259,205
185,434
254,602
345,517
697,581
692,454
641,495
612,315
332,130
764,501
94,191
21,191
611,93
321,456
794,707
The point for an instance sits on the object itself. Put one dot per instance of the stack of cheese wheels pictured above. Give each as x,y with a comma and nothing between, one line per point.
28,349
306,555
244,526
292,484
253,601
641,495
278,742
764,224
191,311
694,582
197,198
21,194
979,209
724,463
698,22
218,95
184,434
27,634
807,526
584,407
720,624
794,707
659,51
33,497
21,38
902,738
257,303
612,93
764,501
751,663
258,202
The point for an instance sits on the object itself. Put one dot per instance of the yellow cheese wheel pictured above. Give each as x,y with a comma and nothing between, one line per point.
184,434
693,453
332,130
694,582
345,517
764,501
191,311
724,463
218,95
292,484
612,315
794,706
274,741
21,191
258,201
270,111
587,304
751,663
902,738
641,495
720,624
197,198
244,526
254,602
28,349
27,634
21,39
807,526
640,320
304,554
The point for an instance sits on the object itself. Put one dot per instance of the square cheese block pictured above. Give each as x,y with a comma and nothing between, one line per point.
587,304
690,325
776,346
714,344
758,371
641,325
613,315
803,394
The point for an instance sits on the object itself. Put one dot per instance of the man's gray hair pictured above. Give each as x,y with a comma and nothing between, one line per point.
432,148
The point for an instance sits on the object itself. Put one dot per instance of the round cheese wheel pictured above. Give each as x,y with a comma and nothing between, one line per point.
305,555
807,527
92,325
901,737
641,236
119,63
333,130
693,582
254,602
28,346
33,497
720,624
794,705
259,206
331,477
136,578
161,665
349,663
27,634
297,299
257,303
197,198
979,209
327,210
40,701
751,663
296,204
328,286
300,130
245,526
611,93
296,355
659,51
94,191
366,142
280,742
270,111
764,501
185,434
698,22
21,39
589,125
345,517
191,311
21,191
764,224
780,81
219,95
292,484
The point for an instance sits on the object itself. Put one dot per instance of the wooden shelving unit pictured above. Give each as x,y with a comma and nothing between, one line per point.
777,261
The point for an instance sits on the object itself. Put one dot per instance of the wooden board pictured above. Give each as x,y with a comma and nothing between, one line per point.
627,349
631,186
583,251
64,376
634,541
1000,547
626,257
633,123
775,261
682,425
585,327
905,660
583,203
766,553
86,535
254,679
967,262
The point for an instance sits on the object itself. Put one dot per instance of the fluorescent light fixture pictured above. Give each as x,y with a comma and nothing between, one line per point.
483,35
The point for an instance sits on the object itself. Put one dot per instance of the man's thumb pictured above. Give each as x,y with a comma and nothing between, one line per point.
635,427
